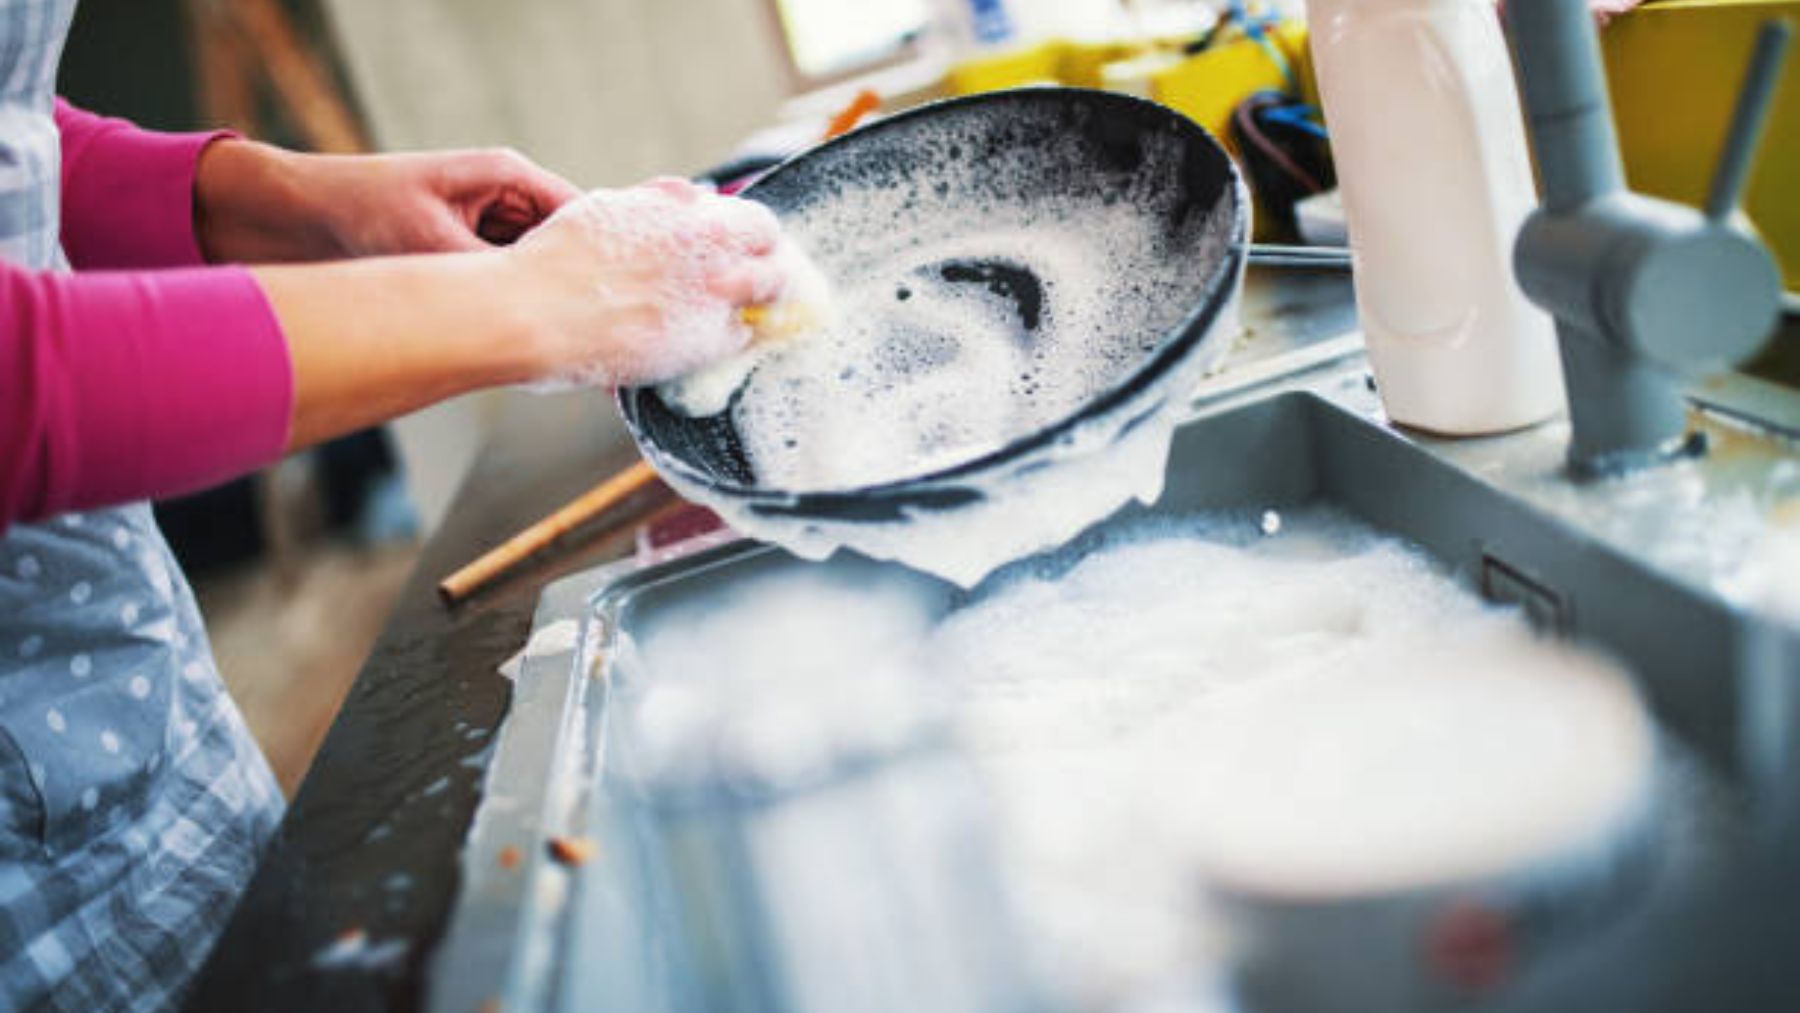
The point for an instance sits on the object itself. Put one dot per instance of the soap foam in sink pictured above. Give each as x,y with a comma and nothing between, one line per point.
779,678
1314,714
1285,705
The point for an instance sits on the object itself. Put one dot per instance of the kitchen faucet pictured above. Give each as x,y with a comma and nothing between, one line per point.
1644,291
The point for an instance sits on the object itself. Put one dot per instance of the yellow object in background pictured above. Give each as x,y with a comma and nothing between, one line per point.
1205,87
1013,68
1674,68
1208,86
1056,61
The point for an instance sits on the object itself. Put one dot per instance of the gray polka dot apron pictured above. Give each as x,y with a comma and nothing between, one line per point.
133,801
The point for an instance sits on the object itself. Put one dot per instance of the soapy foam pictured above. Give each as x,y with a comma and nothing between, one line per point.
975,303
673,240
777,677
805,307
1317,712
1768,579
960,328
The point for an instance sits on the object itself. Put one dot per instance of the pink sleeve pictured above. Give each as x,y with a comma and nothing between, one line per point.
127,194
116,387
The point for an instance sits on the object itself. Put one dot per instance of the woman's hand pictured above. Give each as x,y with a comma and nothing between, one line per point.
642,285
618,287
255,203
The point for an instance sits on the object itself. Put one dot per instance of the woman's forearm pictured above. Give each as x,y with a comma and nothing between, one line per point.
118,386
258,204
253,205
373,339
130,385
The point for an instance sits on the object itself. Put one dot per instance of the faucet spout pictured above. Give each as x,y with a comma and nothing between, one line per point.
1563,87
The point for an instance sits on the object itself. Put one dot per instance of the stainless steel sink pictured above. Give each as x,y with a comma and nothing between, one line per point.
1638,566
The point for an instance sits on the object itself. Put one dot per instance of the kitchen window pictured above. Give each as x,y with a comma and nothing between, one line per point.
832,39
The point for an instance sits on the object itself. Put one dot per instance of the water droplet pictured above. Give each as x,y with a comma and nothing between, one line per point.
1271,523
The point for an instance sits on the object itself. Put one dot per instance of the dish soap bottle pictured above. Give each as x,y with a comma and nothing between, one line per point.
1431,160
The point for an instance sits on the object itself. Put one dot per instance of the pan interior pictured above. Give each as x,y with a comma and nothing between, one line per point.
994,268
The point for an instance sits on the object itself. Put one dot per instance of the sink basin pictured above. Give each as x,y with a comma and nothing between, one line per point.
663,919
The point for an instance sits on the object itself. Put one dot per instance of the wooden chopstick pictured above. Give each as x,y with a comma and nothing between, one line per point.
567,518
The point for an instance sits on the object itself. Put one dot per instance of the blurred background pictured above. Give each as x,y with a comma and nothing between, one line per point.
297,568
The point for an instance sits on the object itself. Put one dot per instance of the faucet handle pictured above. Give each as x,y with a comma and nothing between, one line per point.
1749,118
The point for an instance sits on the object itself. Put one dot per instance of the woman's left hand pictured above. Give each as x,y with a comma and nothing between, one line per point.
259,204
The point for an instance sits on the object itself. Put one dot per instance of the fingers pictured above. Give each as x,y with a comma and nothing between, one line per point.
679,190
500,193
508,218
751,227
506,169
750,283
446,233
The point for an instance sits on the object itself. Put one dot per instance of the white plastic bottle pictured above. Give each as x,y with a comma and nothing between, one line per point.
1432,165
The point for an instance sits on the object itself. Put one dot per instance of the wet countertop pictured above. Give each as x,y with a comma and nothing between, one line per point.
356,892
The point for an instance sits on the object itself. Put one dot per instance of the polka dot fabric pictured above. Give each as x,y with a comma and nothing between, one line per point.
120,753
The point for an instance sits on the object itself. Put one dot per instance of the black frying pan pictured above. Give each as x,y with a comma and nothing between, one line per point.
1118,139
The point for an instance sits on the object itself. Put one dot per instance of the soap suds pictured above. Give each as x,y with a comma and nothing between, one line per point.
806,308
1317,712
559,637
971,311
667,243
753,686
353,950
1311,712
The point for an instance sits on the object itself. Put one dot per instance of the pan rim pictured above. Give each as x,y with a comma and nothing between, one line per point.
1178,341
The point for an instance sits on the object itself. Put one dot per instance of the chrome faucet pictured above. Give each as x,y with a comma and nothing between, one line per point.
1644,291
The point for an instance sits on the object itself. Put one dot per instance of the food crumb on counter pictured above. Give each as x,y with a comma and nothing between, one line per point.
353,950
573,851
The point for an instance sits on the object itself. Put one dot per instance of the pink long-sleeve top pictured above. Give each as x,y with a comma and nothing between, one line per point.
145,373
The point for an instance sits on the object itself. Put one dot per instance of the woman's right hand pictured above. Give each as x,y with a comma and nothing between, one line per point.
637,286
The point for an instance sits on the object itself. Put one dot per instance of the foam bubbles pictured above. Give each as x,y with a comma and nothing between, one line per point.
659,248
958,330
805,307
1312,713
1317,712
977,301
779,677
